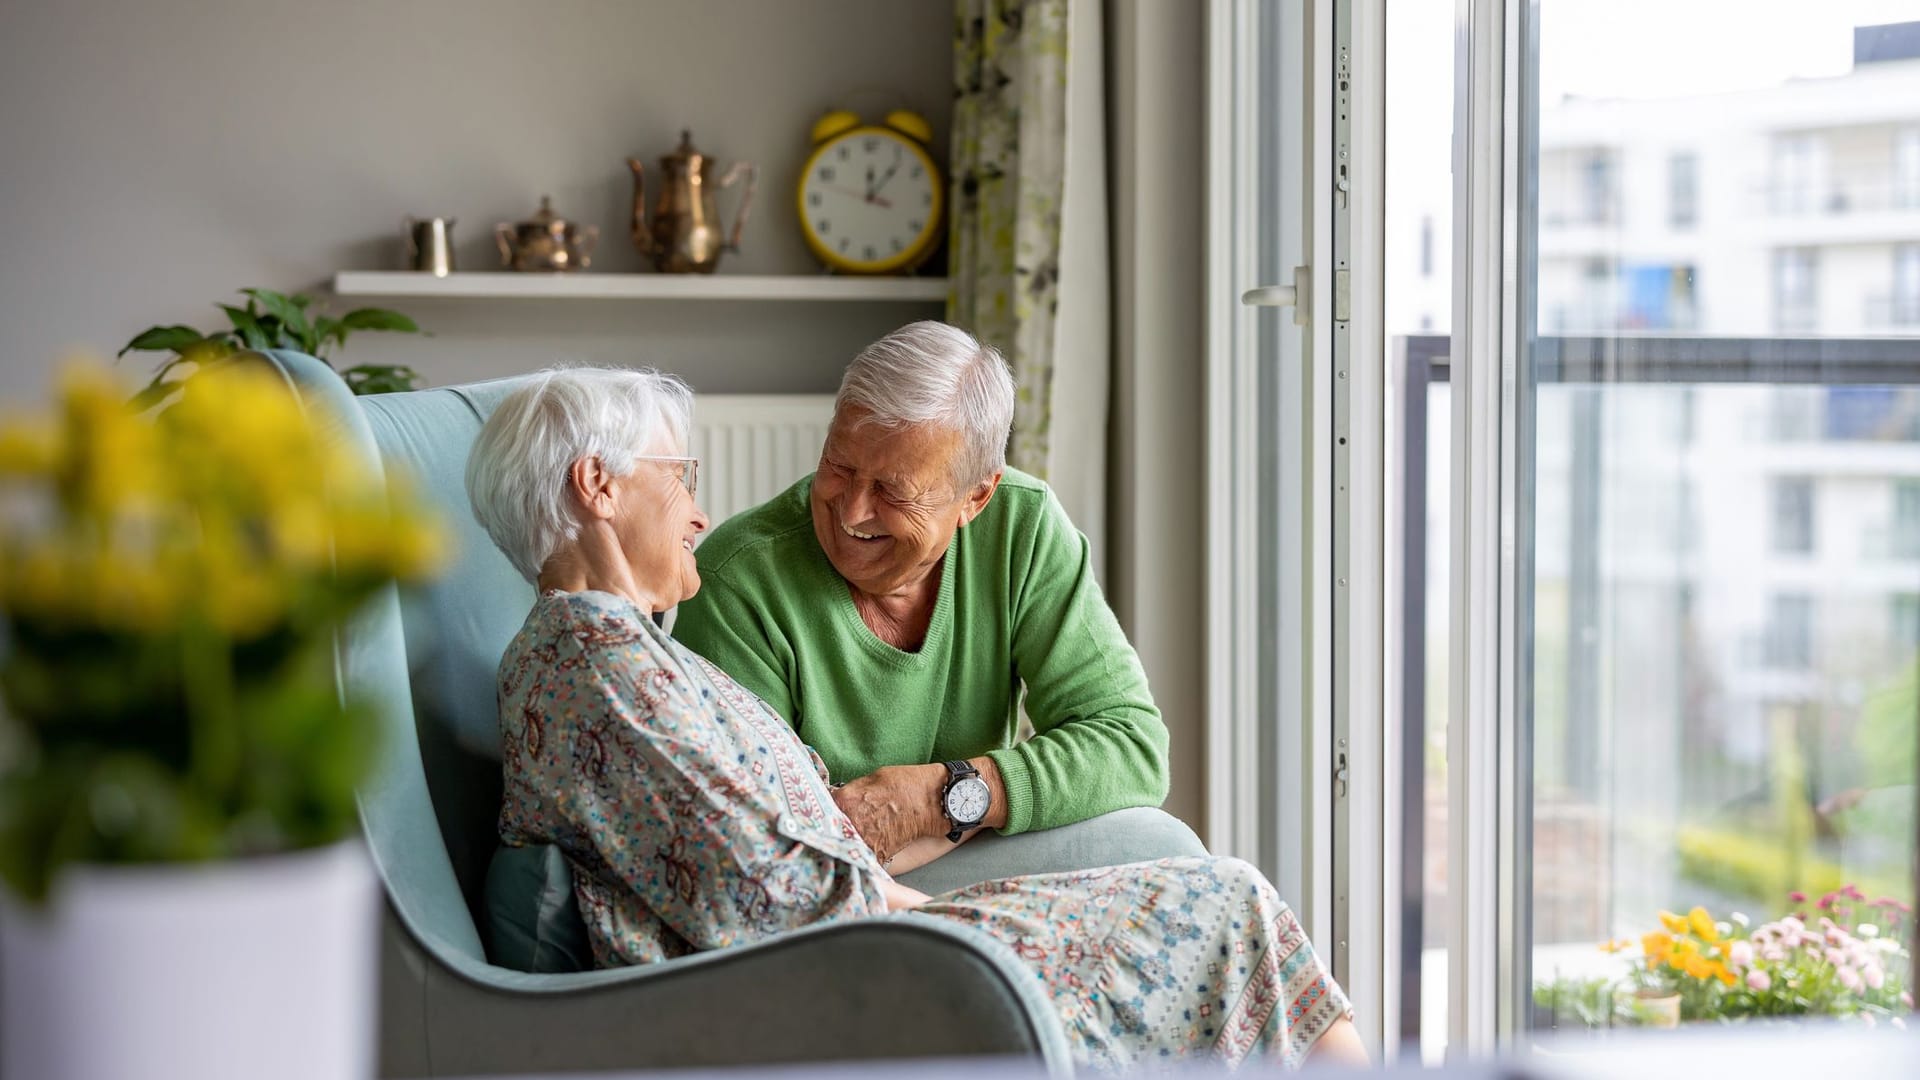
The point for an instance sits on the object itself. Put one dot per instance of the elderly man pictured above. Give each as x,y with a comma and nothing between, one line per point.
895,606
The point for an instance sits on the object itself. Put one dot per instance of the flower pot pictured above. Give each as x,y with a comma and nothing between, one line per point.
249,968
1657,1009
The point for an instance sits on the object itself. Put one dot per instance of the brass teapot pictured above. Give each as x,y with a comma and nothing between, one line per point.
685,235
546,242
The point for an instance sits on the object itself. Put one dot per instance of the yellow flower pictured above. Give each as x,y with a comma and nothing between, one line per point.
1702,924
1615,945
28,447
230,505
1675,924
1658,946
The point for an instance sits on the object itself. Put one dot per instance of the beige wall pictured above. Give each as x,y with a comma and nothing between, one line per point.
1155,572
155,155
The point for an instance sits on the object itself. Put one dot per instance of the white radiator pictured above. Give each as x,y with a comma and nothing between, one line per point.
754,446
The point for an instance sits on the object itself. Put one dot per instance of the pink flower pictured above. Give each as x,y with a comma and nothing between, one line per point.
1740,954
1794,923
1906,998
1758,981
1850,978
1852,892
1836,958
1874,977
1827,901
1797,896
1774,956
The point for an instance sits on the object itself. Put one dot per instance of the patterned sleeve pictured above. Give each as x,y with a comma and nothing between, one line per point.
673,809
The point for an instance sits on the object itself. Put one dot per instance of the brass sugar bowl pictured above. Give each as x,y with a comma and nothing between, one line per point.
546,242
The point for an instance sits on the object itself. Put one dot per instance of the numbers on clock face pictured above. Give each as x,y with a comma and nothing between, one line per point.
868,198
968,799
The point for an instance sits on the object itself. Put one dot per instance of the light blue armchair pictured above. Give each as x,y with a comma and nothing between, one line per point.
425,662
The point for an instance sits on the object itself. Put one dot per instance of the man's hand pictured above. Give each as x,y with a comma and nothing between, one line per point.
895,806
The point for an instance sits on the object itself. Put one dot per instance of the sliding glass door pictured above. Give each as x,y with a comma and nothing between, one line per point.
1662,438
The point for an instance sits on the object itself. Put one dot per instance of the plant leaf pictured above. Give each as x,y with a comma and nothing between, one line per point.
325,328
155,393
161,339
283,308
378,319
258,336
241,319
367,379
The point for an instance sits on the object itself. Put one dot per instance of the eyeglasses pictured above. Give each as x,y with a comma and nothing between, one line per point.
689,469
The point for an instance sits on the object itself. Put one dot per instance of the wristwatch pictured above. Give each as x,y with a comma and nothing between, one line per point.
965,799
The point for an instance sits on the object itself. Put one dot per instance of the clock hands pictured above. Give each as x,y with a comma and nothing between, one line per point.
884,204
873,189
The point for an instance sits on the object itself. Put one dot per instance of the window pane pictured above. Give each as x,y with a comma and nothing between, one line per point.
1419,309
1723,593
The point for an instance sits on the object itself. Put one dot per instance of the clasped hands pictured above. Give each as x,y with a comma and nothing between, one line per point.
895,805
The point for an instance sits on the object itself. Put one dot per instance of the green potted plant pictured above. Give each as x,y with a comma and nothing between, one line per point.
273,320
181,883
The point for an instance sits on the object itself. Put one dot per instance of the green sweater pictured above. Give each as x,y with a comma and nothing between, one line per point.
1018,606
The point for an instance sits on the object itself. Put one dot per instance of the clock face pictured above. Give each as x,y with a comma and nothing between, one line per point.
967,799
869,198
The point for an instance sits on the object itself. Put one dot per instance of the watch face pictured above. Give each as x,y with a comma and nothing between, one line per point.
967,800
869,199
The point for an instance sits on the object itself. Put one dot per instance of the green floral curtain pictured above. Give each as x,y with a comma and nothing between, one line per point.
1009,170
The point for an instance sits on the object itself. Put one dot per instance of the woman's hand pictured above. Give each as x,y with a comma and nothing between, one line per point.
901,898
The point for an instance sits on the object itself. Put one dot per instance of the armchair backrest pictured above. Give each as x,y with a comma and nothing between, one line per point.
427,659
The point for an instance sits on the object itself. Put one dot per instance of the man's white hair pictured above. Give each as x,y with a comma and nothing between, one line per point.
932,373
517,472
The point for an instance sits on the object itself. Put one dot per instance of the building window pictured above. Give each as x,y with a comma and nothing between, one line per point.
1426,246
1789,639
1796,296
1793,515
1597,190
1906,285
1906,168
1798,169
1906,520
1683,190
1905,619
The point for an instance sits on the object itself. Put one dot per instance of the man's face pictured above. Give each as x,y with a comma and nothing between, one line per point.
885,506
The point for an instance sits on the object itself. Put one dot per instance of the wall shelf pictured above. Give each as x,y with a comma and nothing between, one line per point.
504,285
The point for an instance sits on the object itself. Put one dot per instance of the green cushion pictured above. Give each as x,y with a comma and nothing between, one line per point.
533,923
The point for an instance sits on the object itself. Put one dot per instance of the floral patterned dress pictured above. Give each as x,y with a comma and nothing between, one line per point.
694,818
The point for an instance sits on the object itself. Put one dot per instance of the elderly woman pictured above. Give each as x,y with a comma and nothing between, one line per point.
895,606
694,818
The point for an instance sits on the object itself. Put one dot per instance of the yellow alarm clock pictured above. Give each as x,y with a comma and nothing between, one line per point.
870,196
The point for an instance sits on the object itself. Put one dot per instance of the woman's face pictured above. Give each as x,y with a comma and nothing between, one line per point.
657,523
884,502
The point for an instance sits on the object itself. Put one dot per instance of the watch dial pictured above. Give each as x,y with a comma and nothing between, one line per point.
967,799
868,197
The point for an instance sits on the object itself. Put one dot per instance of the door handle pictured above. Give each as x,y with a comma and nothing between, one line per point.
1296,296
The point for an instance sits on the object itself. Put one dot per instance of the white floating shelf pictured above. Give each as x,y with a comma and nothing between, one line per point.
587,285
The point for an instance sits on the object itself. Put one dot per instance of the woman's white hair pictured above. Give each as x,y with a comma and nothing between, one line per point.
932,373
517,470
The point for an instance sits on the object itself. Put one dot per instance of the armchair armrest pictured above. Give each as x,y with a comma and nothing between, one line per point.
1140,834
897,987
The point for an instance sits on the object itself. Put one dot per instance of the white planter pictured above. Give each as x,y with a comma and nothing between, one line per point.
253,968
